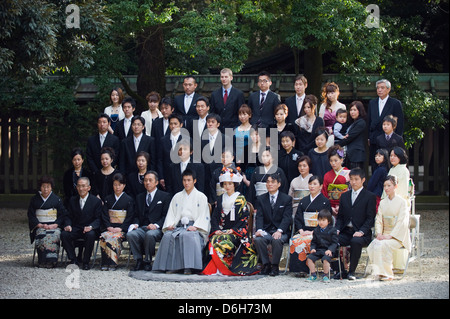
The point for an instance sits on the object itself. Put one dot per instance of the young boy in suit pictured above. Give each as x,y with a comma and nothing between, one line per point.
323,245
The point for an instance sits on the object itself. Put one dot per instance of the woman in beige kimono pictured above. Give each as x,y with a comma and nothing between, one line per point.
391,230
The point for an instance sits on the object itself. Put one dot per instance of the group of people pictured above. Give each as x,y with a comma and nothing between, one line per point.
175,175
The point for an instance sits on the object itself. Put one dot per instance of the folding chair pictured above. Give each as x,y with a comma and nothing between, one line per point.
35,252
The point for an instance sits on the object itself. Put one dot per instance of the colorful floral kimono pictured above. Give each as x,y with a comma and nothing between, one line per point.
334,184
116,213
305,219
49,211
231,254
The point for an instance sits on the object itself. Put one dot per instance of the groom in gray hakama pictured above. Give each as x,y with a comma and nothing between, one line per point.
186,230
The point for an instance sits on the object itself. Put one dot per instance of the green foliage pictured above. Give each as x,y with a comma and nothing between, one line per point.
212,35
53,116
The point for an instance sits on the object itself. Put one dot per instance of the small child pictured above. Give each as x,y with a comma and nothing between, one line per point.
340,126
323,245
390,139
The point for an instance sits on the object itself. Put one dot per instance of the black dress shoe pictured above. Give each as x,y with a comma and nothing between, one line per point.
340,275
266,270
86,266
148,266
274,271
139,265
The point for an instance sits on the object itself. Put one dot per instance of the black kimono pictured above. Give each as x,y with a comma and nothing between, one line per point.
300,245
52,211
116,213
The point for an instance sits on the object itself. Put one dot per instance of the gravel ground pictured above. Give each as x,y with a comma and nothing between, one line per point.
19,280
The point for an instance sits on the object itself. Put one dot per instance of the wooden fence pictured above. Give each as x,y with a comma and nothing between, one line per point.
23,161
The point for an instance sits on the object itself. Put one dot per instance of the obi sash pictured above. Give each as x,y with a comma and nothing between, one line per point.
388,224
117,216
299,194
260,188
310,219
46,215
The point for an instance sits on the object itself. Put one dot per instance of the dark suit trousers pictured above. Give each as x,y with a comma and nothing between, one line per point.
261,244
356,245
69,238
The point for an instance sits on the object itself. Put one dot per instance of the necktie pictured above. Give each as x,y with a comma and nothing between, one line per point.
183,167
225,97
354,195
388,137
102,139
149,199
272,200
81,203
263,95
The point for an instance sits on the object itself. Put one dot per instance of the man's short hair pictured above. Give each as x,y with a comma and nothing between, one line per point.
388,84
153,173
177,116
214,116
302,78
84,178
357,171
129,100
189,172
275,176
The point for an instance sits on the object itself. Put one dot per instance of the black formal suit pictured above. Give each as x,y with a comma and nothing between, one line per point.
143,239
192,127
361,215
174,182
356,142
178,104
212,159
156,212
164,148
94,148
127,163
375,122
70,180
79,218
158,129
135,184
263,115
270,220
394,140
120,130
229,111
293,114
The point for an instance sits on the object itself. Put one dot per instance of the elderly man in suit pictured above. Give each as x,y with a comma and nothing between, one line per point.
273,220
97,141
379,108
227,100
82,222
263,102
355,219
151,208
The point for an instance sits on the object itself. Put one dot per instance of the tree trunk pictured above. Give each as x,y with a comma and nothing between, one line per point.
151,64
313,71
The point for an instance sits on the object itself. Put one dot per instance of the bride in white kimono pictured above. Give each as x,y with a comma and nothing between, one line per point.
186,230
391,229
